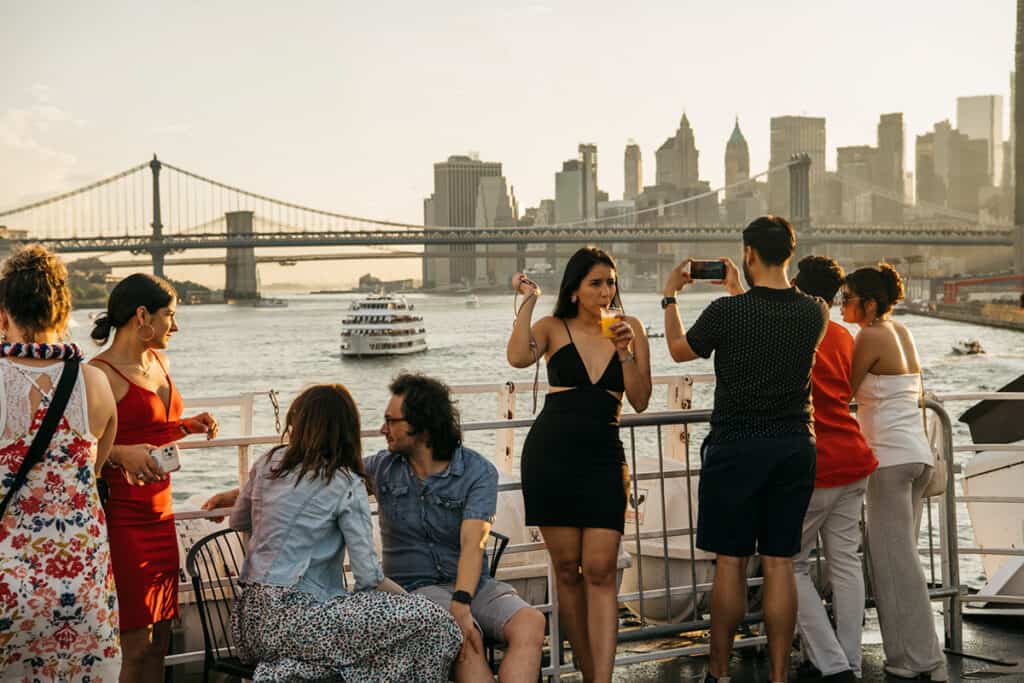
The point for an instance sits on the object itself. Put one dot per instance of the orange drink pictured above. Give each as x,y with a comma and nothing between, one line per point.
609,317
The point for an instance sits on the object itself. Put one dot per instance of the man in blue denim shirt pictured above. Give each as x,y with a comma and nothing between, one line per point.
437,500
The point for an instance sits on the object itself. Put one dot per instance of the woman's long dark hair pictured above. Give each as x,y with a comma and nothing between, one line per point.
576,269
138,289
322,428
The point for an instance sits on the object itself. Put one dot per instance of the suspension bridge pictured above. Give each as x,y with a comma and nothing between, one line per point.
157,209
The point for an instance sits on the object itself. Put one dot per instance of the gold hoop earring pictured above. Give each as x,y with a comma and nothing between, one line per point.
152,332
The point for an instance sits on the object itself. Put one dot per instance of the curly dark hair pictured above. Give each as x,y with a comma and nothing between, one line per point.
881,283
34,290
820,276
428,407
576,269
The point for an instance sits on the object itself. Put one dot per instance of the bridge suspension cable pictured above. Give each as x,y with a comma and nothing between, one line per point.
866,187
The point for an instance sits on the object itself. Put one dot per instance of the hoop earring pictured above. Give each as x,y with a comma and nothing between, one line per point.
152,332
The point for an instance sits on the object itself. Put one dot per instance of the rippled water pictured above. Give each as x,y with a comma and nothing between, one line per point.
224,350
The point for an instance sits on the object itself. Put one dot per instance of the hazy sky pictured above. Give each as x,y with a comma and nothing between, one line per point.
346,106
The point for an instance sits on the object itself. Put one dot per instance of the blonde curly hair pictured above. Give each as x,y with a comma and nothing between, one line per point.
34,290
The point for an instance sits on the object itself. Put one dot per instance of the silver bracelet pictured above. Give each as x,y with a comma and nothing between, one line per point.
630,356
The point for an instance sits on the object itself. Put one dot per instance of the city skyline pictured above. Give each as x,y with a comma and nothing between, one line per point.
348,109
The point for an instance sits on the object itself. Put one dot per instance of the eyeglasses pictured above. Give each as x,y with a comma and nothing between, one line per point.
388,421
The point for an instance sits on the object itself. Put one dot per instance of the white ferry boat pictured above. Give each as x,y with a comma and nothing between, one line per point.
382,325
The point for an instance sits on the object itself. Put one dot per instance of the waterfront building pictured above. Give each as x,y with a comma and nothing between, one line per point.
677,159
453,204
546,212
741,205
854,167
952,170
633,171
796,135
888,171
576,193
981,118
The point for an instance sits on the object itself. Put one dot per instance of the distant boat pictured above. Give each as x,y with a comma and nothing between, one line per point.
968,348
382,325
472,301
270,302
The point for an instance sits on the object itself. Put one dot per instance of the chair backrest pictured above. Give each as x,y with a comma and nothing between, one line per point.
498,543
214,564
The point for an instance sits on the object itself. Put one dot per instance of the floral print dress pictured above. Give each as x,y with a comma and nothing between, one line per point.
58,607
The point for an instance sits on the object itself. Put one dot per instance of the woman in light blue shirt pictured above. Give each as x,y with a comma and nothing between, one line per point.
304,504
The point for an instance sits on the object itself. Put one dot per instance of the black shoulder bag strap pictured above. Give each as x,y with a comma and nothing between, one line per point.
41,442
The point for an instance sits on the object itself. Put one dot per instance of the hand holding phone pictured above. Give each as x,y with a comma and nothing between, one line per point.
167,457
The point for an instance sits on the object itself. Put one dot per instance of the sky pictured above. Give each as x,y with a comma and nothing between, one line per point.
346,106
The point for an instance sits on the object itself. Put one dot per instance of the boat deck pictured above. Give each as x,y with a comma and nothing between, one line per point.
998,638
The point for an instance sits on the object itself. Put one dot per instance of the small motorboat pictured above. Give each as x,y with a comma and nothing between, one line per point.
472,301
971,347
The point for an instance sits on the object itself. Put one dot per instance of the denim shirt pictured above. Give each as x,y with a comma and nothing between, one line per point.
300,530
421,522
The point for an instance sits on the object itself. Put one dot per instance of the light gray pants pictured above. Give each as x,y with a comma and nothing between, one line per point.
835,514
894,506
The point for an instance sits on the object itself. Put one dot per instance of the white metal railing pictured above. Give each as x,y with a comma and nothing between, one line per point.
673,440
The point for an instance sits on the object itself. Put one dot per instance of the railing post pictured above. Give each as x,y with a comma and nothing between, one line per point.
505,439
948,533
245,406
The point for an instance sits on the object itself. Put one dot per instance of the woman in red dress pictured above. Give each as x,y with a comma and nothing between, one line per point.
140,517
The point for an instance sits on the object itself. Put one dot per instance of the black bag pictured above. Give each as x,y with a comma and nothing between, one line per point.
41,442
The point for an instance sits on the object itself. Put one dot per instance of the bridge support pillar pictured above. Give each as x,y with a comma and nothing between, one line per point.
241,283
800,204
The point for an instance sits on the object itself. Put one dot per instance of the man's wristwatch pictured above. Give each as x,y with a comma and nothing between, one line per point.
462,597
667,301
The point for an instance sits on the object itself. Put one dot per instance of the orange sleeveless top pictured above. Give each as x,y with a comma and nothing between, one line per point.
142,417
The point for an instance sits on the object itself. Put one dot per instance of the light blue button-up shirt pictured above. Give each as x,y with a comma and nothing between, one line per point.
420,522
300,530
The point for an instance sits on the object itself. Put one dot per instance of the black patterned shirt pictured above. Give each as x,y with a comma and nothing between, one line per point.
764,343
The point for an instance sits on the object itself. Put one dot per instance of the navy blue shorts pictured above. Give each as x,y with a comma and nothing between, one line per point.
753,495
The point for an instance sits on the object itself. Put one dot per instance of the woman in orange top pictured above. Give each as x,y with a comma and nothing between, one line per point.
140,517
844,462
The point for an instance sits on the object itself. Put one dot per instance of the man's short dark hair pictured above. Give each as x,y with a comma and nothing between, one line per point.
773,239
820,276
427,406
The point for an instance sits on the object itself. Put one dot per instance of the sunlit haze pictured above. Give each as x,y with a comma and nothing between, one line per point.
347,106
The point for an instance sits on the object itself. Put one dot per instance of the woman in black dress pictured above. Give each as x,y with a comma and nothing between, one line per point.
574,471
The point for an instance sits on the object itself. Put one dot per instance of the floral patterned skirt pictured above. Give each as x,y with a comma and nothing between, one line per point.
365,636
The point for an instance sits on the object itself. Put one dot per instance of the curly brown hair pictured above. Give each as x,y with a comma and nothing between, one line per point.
34,290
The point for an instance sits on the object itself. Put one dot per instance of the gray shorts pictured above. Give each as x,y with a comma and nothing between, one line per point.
494,603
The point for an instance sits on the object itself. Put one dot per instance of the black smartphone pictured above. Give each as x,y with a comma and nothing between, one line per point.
707,270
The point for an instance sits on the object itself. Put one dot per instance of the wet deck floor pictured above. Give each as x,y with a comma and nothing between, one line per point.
991,637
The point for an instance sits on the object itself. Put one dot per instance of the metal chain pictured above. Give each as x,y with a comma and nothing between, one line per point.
277,409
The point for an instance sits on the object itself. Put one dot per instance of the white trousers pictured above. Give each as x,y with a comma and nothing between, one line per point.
835,513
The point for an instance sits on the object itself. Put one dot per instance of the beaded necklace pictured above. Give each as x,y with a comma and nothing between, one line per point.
40,351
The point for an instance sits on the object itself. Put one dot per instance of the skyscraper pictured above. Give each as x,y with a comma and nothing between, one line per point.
453,204
737,164
634,174
569,193
981,118
854,167
676,159
888,171
796,135
588,160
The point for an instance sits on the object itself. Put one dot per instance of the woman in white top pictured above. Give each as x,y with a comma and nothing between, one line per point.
886,380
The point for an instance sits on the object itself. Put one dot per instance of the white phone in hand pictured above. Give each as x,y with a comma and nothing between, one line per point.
167,457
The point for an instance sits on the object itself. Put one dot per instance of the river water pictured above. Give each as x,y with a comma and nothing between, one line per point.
224,350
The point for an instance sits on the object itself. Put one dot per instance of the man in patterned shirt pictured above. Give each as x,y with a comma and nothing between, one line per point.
758,460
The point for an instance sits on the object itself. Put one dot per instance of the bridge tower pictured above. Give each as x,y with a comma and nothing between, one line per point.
157,251
800,203
241,284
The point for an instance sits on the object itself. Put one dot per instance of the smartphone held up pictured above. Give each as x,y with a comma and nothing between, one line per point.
707,270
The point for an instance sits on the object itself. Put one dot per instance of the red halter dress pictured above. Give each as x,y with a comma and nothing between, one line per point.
140,519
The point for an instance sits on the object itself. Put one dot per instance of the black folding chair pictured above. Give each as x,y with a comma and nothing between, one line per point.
213,564
497,544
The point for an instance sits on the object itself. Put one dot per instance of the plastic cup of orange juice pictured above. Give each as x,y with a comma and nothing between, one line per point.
609,317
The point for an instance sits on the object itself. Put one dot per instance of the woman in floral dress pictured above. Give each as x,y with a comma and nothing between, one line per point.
58,608
306,504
